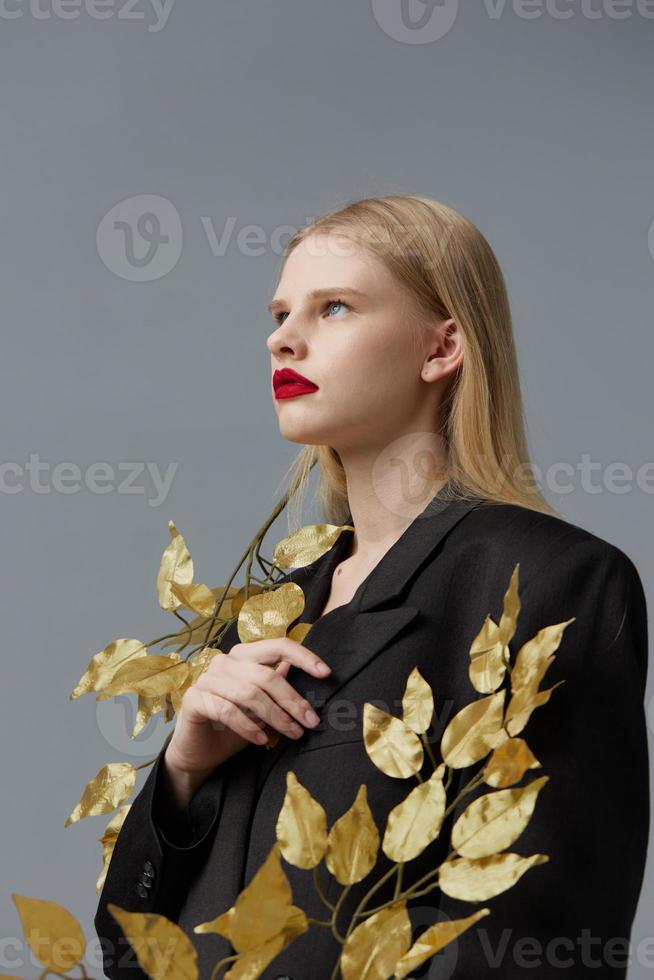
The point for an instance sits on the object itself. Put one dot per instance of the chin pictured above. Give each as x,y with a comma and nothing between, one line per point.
301,436
299,431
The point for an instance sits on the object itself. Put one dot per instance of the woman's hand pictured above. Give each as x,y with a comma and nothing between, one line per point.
235,699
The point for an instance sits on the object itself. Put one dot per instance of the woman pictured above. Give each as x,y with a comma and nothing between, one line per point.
394,314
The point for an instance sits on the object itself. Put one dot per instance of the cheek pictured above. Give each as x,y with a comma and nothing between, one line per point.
387,376
367,381
372,363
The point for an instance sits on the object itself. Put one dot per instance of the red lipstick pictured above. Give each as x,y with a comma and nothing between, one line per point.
288,383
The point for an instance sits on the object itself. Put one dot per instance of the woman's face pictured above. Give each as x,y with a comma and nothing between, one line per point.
354,341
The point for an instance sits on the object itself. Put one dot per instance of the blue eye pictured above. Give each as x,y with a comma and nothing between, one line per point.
279,317
337,302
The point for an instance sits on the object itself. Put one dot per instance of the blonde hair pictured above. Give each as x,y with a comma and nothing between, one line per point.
447,265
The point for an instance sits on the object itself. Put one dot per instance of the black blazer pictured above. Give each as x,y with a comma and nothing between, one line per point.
422,605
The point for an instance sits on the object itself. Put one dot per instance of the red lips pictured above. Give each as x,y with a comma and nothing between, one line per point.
288,383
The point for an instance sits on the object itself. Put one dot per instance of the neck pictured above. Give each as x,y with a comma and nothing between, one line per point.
388,489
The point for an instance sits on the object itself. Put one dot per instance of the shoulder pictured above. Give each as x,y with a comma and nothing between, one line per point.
544,541
564,571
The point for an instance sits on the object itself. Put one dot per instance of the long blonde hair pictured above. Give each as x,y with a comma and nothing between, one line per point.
445,262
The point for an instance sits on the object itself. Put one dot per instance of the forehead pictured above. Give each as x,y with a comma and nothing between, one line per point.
325,261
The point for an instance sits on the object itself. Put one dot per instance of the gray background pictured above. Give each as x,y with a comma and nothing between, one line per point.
538,128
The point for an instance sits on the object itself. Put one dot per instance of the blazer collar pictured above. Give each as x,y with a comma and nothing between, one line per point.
414,547
389,577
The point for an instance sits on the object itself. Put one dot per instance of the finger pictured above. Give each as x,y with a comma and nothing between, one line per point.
225,714
281,648
287,697
252,699
267,679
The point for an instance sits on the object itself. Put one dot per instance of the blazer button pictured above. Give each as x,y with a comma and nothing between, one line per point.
142,890
145,880
148,869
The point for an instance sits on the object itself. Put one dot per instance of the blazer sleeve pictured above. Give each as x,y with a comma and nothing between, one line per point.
572,916
154,860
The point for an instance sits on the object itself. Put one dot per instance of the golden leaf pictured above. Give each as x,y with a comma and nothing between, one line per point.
481,879
307,544
163,951
299,631
433,939
197,628
415,822
260,912
251,965
242,595
195,632
221,925
107,790
60,940
535,656
473,731
108,841
511,608
168,709
487,663
532,661
267,616
495,820
353,842
509,762
201,660
301,827
176,696
372,949
391,744
489,653
273,737
417,702
522,704
146,709
196,596
197,666
104,665
150,676
176,566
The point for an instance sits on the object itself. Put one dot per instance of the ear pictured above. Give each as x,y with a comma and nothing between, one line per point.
444,353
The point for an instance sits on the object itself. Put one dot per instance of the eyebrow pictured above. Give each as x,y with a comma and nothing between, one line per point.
278,304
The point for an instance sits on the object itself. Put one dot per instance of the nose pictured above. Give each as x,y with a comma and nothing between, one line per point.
285,339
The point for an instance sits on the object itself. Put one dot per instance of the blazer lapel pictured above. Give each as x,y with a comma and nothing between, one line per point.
412,550
349,637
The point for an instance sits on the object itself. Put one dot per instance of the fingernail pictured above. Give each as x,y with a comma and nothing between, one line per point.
321,667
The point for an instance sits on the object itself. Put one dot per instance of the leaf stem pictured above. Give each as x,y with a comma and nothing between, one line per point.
226,959
321,894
